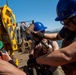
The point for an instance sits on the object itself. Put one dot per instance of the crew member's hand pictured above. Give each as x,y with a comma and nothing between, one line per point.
31,56
5,56
50,50
31,62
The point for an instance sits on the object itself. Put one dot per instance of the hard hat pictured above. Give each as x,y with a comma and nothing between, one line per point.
1,44
65,8
38,26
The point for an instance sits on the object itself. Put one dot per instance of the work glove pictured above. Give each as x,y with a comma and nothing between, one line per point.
31,56
38,35
31,62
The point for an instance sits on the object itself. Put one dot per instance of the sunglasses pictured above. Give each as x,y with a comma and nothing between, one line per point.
73,15
65,23
69,19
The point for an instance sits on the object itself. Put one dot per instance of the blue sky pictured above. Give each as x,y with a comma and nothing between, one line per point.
38,10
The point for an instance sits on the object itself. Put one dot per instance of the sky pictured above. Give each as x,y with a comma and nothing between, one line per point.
43,11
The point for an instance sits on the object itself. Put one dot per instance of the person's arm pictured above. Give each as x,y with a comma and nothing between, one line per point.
8,69
59,57
56,36
52,36
55,45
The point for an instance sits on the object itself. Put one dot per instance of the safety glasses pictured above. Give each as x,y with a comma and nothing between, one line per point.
69,19
73,15
65,23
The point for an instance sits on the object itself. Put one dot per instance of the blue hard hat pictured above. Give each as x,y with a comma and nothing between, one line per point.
65,8
38,26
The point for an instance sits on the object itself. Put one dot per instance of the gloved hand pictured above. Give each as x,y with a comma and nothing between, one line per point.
31,62
31,56
38,35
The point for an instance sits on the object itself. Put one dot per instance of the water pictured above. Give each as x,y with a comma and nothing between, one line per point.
59,43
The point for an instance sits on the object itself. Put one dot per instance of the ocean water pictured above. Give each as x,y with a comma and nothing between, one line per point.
59,43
